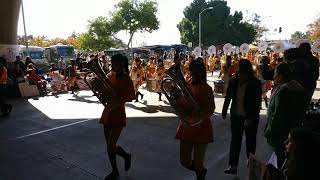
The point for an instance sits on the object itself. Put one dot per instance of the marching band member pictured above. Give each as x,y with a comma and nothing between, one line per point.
225,73
114,116
71,76
186,68
137,75
194,139
151,68
211,64
249,56
160,76
151,74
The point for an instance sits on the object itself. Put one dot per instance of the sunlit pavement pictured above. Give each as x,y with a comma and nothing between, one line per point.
59,137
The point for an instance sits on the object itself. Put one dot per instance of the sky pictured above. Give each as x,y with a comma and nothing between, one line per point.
59,18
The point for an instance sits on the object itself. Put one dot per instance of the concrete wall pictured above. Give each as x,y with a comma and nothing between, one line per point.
9,16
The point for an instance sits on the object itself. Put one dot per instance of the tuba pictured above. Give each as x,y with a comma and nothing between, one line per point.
181,100
99,84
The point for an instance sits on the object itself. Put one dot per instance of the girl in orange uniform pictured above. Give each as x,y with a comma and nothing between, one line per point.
114,116
194,139
186,68
137,76
160,76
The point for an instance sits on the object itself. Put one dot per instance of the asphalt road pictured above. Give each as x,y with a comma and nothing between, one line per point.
59,137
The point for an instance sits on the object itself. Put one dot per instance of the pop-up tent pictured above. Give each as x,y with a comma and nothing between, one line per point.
253,47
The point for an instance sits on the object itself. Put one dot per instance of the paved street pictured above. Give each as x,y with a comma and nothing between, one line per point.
59,138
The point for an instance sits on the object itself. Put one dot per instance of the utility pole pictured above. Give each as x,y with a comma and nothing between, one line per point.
25,31
200,24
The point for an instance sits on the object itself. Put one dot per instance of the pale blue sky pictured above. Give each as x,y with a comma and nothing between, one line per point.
59,18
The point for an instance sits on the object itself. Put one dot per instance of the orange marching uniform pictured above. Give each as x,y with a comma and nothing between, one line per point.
187,70
202,133
151,70
160,76
3,75
116,117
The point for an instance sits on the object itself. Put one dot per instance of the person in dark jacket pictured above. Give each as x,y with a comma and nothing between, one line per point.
304,67
245,92
285,111
313,69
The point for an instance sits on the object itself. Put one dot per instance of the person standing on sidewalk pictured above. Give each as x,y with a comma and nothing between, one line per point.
245,92
194,139
5,108
286,110
114,116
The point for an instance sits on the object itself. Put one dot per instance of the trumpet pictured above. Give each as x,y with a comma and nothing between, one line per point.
176,91
100,85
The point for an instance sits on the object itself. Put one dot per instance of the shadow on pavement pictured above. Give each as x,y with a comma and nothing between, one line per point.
152,108
83,99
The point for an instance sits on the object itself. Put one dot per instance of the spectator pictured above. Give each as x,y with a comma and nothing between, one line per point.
5,108
305,67
165,55
79,62
27,62
62,65
302,155
285,111
313,70
35,79
53,68
245,92
18,69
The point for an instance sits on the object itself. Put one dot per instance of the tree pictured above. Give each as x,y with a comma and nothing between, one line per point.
314,30
261,30
99,36
298,35
38,41
218,25
21,40
134,16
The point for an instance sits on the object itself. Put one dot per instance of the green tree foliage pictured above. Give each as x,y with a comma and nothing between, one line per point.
218,25
314,30
99,36
21,39
133,16
43,41
298,35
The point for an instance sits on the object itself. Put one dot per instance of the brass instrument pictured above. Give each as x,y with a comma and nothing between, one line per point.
99,84
181,100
